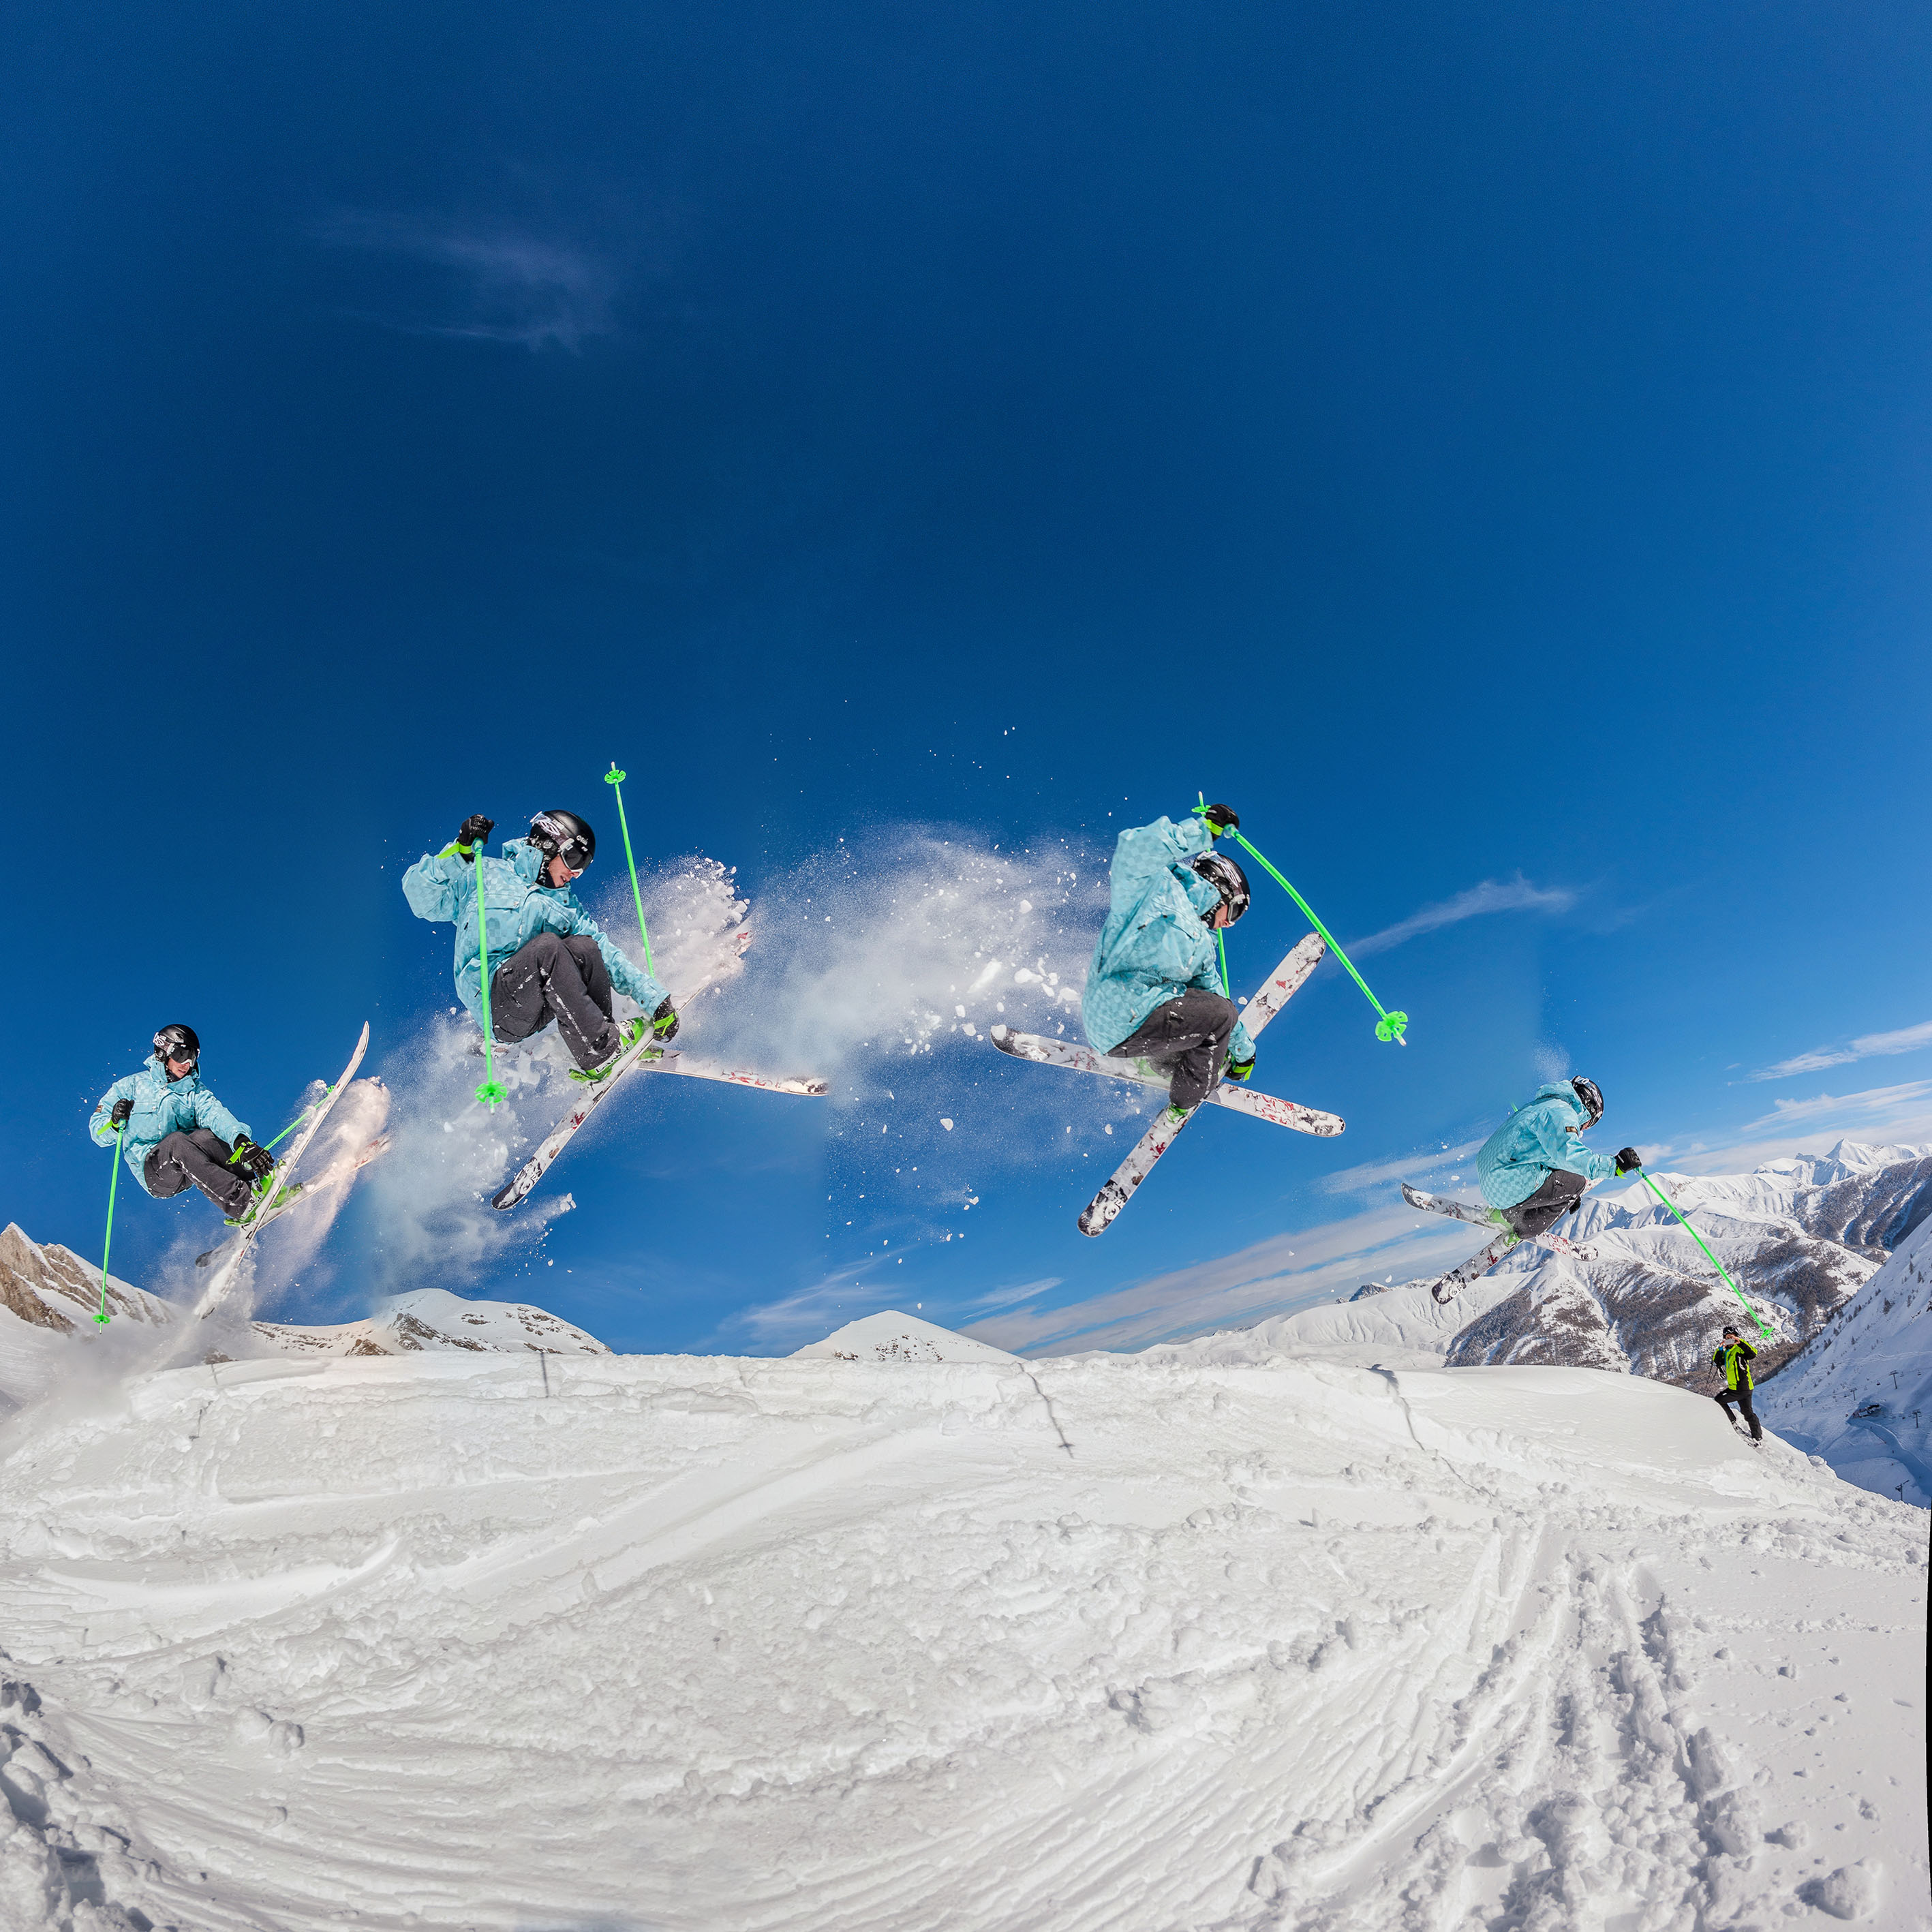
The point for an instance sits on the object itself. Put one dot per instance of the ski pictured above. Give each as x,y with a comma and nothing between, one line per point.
1239,1099
646,1056
1098,1214
1118,1188
217,1290
378,1146
1441,1204
1479,1263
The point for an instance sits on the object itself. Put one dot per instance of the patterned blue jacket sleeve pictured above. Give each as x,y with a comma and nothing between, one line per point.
430,888
100,1126
211,1114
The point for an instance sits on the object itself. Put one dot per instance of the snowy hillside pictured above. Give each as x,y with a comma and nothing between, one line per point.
454,1639
1860,1395
890,1336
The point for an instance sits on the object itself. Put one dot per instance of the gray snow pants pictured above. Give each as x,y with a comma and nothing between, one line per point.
201,1157
553,978
1558,1195
1190,1036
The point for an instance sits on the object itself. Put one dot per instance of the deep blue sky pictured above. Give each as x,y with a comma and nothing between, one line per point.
1479,445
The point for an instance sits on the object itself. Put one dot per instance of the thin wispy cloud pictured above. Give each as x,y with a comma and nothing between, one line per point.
1516,894
1867,1046
1376,1173
495,283
1874,1103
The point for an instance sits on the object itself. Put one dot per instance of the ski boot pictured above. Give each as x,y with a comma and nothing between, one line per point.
628,1035
268,1197
1500,1217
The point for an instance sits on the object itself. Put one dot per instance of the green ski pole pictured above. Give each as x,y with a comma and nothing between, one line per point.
614,779
492,1090
113,1181
1388,1025
1765,1332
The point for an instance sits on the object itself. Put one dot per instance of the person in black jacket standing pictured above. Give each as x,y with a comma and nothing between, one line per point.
1732,1361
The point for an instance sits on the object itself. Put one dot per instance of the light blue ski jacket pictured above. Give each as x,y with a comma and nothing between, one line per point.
1157,942
162,1107
442,886
1515,1160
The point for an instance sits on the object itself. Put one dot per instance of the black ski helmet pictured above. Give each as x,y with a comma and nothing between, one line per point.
563,835
1227,878
177,1041
1728,1329
1591,1095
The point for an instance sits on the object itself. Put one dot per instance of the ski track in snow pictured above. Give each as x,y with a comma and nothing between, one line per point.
713,1643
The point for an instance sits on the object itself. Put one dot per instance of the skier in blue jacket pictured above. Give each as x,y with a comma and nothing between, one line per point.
1153,992
172,1131
549,959
1533,1170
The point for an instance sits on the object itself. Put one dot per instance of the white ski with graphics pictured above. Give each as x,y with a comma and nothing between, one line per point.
1281,986
1441,1204
646,1056
217,1290
1240,1099
373,1150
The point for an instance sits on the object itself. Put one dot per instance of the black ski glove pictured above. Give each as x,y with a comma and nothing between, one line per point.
471,834
122,1108
664,1022
1239,1070
1628,1161
255,1163
1222,818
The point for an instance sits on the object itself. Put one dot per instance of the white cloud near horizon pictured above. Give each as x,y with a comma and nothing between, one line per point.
1404,1167
510,286
1900,1040
1273,1277
1516,894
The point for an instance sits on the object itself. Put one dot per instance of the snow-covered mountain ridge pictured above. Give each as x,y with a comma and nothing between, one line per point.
473,1639
48,1296
1800,1236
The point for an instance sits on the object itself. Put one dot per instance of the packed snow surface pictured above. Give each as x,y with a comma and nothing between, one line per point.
711,1643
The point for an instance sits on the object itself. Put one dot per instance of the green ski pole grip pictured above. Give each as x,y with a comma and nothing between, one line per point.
1762,1329
492,1089
106,1246
614,779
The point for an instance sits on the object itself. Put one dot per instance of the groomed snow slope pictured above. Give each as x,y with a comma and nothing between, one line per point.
722,1643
